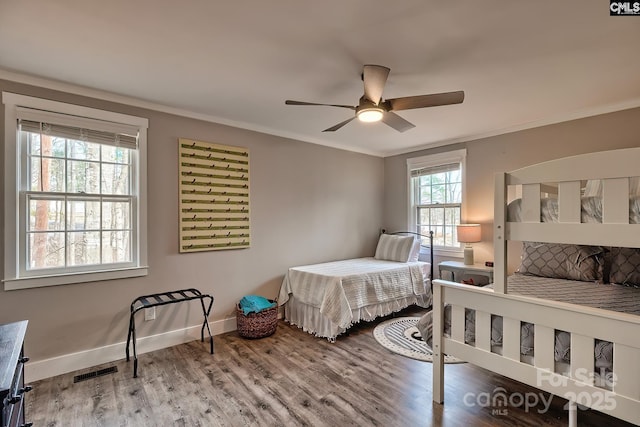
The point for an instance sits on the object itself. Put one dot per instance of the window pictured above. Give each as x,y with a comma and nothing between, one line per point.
75,193
436,186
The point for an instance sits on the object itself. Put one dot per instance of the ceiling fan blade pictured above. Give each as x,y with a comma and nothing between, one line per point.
339,125
397,122
422,101
290,102
374,78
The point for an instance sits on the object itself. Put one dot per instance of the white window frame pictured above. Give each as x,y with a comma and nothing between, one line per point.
432,160
15,230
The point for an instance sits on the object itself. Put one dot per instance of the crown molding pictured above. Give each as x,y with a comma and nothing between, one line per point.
561,118
149,105
140,103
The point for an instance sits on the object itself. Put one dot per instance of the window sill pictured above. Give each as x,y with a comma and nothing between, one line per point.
68,279
449,253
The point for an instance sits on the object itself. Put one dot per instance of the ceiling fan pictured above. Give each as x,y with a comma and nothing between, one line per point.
372,107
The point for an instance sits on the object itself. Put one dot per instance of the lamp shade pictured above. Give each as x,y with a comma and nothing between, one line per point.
469,233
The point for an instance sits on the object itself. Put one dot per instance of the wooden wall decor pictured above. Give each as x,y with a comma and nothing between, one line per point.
214,196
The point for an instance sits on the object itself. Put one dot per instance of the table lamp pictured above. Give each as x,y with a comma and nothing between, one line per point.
467,234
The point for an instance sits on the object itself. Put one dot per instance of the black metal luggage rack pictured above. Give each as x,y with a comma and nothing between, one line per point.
164,298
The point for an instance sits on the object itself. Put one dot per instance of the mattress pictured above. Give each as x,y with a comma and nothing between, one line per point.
607,297
341,293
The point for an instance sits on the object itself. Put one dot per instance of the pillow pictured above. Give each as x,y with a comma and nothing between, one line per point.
415,250
394,248
562,261
625,266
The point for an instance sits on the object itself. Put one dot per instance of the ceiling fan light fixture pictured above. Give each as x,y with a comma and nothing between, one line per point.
370,114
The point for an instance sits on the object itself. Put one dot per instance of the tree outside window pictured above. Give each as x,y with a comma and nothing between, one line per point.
79,202
438,201
436,183
79,211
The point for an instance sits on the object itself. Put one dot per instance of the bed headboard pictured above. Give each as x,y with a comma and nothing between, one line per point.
613,168
430,238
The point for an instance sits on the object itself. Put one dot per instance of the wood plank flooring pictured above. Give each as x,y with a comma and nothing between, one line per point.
288,379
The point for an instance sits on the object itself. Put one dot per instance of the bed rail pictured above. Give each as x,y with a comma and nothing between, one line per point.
582,386
430,237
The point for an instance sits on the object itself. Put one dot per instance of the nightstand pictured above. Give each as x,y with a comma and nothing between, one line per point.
459,269
12,360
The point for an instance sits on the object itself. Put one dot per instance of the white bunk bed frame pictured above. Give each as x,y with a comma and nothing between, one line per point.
585,324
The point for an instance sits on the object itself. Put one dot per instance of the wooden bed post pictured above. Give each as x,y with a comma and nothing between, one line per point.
438,356
499,234
573,413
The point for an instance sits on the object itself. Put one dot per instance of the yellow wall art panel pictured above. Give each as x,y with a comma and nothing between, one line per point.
214,196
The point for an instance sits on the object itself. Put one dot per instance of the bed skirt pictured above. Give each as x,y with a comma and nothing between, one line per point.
311,320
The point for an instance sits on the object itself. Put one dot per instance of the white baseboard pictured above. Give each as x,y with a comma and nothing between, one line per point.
47,368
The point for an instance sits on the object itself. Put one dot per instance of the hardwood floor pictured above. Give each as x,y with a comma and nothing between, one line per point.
288,379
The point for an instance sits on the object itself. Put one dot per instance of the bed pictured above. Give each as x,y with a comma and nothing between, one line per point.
591,322
326,299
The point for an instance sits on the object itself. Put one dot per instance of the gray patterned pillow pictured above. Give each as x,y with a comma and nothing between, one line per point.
562,261
625,266
394,248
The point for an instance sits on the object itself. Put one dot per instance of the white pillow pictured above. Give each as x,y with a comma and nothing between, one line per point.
394,248
415,250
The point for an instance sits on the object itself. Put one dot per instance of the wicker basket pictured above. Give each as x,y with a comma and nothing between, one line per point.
257,325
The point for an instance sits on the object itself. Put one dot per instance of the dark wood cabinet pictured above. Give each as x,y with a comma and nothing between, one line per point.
12,360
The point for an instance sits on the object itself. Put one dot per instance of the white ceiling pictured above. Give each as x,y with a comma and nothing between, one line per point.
521,63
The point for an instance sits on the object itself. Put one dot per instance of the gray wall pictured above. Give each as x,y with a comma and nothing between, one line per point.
308,204
507,152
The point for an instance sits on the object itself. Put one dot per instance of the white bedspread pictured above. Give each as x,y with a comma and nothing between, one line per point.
336,288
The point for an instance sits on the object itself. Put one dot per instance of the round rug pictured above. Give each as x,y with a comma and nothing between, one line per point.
401,336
